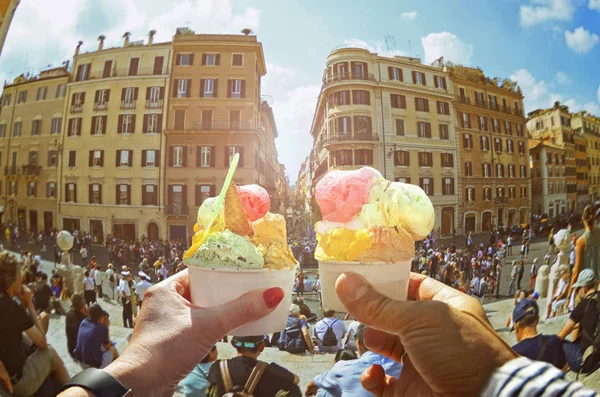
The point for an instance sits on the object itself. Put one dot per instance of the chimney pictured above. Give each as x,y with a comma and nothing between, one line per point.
151,37
78,48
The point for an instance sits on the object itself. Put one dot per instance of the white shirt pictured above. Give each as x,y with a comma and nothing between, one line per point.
88,284
141,288
572,257
124,287
561,288
163,271
109,272
97,277
339,329
351,338
83,252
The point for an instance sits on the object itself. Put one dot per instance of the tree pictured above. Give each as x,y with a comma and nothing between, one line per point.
247,31
126,35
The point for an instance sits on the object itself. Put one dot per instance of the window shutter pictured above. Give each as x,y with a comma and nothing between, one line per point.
128,194
75,191
178,59
444,86
91,159
144,152
424,78
148,89
243,89
175,84
226,156
185,156
104,118
78,132
188,89
118,158
197,196
203,59
171,156
170,195
191,59
215,87
213,154
145,124
428,130
426,104
161,92
241,163
130,162
96,96
184,195
90,193
133,123
202,82
123,94
394,100
390,73
120,126
198,156
229,84
118,192
414,77
82,98
160,121
435,82
92,129
213,192
217,59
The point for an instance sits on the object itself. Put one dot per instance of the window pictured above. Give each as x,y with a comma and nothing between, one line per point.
209,88
466,120
362,125
124,158
419,78
520,130
341,98
98,125
6,99
422,105
499,170
498,145
395,74
508,127
424,129
479,99
96,158
83,72
447,160
74,127
107,69
485,145
551,188
152,123
3,130
467,141
523,191
126,124
72,163
41,93
425,159
540,124
123,194
185,59
398,101
550,171
31,189
134,64
512,192
487,193
496,125
400,127
12,188
509,145
36,127
521,147
231,151
483,126
52,158
33,158
511,171
237,88
128,97
95,193
523,171
204,157
363,157
51,190
237,60
344,125
439,82
468,168
448,186
179,119
182,89
210,59
427,185
178,153
344,157
101,99
71,193
56,125
22,98
149,196
361,97
486,170
470,194
17,127
443,108
150,158
402,158
444,131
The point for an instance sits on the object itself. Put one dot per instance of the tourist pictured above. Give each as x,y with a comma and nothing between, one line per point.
94,347
513,277
79,311
84,254
559,298
98,277
531,343
196,383
588,247
89,288
329,332
533,274
344,378
27,368
350,342
520,273
126,299
163,272
299,284
111,278
274,380
295,338
509,242
141,287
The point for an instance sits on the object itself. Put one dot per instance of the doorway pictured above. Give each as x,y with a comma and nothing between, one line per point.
447,220
500,217
511,217
126,231
33,221
152,231
470,223
22,221
71,224
48,221
486,221
97,231
177,232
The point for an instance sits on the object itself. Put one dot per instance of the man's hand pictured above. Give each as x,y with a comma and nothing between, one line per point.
26,296
5,378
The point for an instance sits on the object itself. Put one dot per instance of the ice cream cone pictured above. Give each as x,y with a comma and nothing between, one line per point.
235,216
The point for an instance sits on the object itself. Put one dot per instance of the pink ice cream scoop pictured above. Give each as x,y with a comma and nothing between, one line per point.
341,194
255,200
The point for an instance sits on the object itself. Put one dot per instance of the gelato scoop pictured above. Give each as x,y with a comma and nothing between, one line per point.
227,249
255,200
268,227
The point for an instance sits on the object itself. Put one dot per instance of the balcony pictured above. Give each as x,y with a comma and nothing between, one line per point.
123,72
348,76
500,200
128,104
12,170
77,108
154,104
177,210
481,104
31,169
356,137
506,109
518,112
494,106
464,99
222,125
100,106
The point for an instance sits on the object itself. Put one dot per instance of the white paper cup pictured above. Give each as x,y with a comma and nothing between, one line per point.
390,279
213,287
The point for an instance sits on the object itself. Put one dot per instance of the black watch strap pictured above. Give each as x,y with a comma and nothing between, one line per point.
99,382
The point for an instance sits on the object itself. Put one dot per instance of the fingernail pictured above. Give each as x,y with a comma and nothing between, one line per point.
354,286
273,296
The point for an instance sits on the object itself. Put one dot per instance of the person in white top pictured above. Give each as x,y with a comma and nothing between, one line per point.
88,289
338,328
98,280
560,295
162,272
111,278
126,299
84,255
142,287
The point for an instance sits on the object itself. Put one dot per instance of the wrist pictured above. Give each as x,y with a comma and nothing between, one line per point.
128,373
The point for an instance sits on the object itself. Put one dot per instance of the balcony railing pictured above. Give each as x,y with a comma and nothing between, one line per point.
77,108
500,200
494,106
464,99
506,109
518,112
31,169
223,125
12,170
124,72
357,136
128,105
154,104
481,104
100,106
348,76
177,210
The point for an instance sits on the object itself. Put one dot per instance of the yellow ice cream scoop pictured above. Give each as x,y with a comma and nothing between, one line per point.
277,254
342,244
268,227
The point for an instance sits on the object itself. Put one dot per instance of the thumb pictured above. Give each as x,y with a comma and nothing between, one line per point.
245,309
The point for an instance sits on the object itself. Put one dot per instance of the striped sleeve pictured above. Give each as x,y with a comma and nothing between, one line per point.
523,377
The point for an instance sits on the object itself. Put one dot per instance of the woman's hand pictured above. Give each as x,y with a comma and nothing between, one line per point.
442,337
172,335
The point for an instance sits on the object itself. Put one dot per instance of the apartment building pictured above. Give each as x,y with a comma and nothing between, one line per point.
554,124
548,180
31,119
393,114
581,161
490,128
113,143
589,126
215,112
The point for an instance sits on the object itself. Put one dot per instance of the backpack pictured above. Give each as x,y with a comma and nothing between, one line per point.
591,355
251,383
292,340
329,339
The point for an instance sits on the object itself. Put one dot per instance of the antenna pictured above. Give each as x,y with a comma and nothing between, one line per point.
390,44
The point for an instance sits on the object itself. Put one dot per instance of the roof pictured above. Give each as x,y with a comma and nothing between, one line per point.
535,143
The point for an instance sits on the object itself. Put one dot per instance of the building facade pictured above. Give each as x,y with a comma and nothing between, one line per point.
7,12
393,114
215,112
490,128
589,125
113,143
554,125
581,161
548,181
31,121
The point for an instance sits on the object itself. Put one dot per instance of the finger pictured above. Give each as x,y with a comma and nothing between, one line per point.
247,308
388,345
373,379
7,385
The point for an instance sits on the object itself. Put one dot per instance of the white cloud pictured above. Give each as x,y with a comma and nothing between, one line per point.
447,45
580,40
281,70
537,93
540,11
378,47
594,5
561,78
409,15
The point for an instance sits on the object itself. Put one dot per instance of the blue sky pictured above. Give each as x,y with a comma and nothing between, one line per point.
551,47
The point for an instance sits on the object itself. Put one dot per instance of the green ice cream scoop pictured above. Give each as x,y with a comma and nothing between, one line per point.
227,249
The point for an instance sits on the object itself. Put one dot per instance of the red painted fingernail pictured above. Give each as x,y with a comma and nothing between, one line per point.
273,296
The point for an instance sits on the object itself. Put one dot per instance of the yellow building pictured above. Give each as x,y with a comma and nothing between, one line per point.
7,12
493,150
548,184
113,141
215,111
393,114
589,125
30,139
554,125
